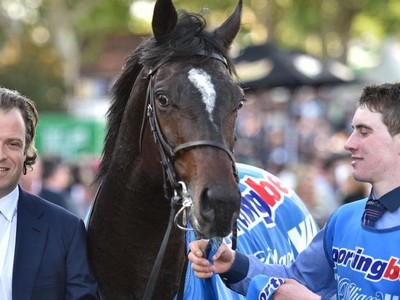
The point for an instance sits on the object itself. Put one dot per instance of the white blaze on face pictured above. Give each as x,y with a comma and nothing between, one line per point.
202,81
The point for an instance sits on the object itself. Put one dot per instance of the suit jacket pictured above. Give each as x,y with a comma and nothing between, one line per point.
50,260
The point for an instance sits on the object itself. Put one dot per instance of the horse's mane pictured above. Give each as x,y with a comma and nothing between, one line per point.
185,40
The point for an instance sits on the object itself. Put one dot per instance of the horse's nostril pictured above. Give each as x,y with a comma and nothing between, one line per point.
207,211
208,214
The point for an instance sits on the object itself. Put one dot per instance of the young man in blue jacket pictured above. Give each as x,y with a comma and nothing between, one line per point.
355,256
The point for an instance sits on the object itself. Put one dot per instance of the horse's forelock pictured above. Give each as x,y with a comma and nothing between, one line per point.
188,38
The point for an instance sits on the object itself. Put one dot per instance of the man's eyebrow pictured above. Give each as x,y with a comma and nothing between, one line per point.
362,126
15,139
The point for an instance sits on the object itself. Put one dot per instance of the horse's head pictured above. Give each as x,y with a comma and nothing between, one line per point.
175,88
193,102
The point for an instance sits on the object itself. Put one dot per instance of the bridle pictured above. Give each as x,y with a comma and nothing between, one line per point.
167,152
181,198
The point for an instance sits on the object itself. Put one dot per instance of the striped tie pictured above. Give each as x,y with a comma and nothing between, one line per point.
373,211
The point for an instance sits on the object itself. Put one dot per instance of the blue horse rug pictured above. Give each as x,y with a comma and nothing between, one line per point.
274,225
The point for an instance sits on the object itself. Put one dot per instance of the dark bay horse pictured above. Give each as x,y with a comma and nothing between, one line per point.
170,134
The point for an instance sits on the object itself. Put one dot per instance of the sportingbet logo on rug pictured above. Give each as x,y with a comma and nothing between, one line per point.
262,287
374,269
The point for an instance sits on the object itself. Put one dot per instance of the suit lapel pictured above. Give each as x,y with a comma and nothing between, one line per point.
29,245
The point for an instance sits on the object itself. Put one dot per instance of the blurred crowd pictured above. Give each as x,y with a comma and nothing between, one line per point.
299,136
68,184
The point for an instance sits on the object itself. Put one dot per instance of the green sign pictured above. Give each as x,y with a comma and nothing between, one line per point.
69,137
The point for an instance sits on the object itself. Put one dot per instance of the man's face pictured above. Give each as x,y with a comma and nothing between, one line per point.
12,150
375,153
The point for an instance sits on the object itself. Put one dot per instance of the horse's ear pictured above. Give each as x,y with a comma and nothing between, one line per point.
164,18
229,29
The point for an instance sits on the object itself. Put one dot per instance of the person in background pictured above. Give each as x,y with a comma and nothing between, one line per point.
355,256
55,180
43,252
82,188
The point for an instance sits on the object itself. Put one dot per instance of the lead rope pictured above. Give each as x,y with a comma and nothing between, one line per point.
182,281
234,236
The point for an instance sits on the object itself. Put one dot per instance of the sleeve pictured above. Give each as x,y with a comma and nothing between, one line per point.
310,268
80,282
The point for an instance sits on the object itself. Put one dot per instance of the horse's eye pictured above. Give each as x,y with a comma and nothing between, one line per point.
241,103
162,99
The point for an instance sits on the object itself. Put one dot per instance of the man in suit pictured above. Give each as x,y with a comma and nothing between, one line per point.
43,252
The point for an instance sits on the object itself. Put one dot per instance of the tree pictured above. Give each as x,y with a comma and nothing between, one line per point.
52,32
50,35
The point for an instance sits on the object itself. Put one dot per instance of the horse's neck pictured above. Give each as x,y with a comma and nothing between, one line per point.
130,218
135,220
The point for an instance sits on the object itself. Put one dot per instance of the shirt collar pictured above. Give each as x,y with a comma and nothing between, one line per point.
8,204
390,200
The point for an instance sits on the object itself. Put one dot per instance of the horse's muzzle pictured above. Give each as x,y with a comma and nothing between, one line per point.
218,209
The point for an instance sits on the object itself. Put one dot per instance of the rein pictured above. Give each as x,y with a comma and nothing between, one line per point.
181,197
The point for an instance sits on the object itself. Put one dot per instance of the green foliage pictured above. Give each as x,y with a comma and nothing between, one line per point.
35,73
213,5
108,16
383,14
289,23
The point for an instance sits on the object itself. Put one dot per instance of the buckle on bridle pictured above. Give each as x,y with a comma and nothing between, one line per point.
186,202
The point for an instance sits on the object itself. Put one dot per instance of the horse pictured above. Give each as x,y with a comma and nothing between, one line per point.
168,174
174,102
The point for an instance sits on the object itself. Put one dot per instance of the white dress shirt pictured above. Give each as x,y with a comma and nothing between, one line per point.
8,230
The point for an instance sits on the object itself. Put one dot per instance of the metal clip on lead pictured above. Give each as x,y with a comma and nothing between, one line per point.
186,204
